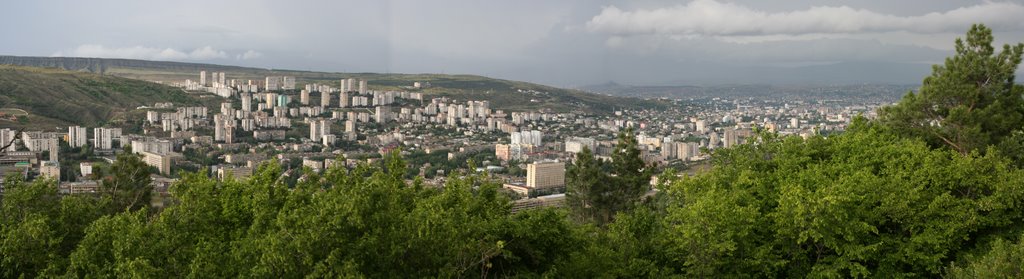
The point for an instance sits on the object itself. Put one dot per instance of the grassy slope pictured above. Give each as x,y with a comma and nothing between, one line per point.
501,93
59,97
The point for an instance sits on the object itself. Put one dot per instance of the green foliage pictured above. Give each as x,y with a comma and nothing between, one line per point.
359,222
127,182
595,196
1004,259
585,187
39,229
79,98
861,204
631,175
970,102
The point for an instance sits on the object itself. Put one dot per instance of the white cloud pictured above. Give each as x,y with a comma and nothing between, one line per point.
142,52
251,54
718,19
206,53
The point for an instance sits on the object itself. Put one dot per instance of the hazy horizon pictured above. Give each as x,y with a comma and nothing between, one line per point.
566,43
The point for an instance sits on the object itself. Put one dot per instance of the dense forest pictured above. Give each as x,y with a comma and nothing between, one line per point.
932,188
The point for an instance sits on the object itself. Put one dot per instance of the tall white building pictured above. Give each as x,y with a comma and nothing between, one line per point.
273,83
383,114
344,100
202,78
160,161
103,138
50,169
350,126
545,174
54,147
702,126
668,149
288,83
686,150
151,145
304,97
246,102
730,138
226,109
219,128
713,140
534,138
362,86
270,99
576,144
6,136
318,129
77,136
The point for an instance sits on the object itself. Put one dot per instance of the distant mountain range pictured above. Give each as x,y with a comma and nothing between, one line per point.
502,94
748,90
842,73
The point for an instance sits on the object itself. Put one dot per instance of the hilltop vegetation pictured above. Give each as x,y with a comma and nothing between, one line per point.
59,97
503,94
862,204
887,199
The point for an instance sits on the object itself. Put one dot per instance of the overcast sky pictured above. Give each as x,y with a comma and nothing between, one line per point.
564,43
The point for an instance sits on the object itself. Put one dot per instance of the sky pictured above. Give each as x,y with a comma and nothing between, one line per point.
567,43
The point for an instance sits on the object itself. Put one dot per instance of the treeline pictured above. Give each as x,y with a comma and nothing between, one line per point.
933,188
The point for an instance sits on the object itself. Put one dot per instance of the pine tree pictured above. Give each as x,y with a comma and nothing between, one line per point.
584,185
968,103
632,175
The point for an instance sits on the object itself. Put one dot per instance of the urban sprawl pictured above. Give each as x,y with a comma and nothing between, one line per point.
349,123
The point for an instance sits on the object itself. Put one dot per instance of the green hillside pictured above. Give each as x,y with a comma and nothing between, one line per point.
503,94
55,97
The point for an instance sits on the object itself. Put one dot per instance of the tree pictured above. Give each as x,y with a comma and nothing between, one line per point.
595,196
127,182
1004,259
969,102
585,187
39,229
630,175
862,204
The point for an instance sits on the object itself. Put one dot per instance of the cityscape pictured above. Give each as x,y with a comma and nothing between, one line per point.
314,125
512,139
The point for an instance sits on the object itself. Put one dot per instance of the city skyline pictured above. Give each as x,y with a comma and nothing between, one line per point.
565,43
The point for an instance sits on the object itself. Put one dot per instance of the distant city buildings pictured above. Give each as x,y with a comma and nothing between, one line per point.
104,138
50,169
160,161
383,114
319,128
77,136
257,121
535,138
545,174
576,144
